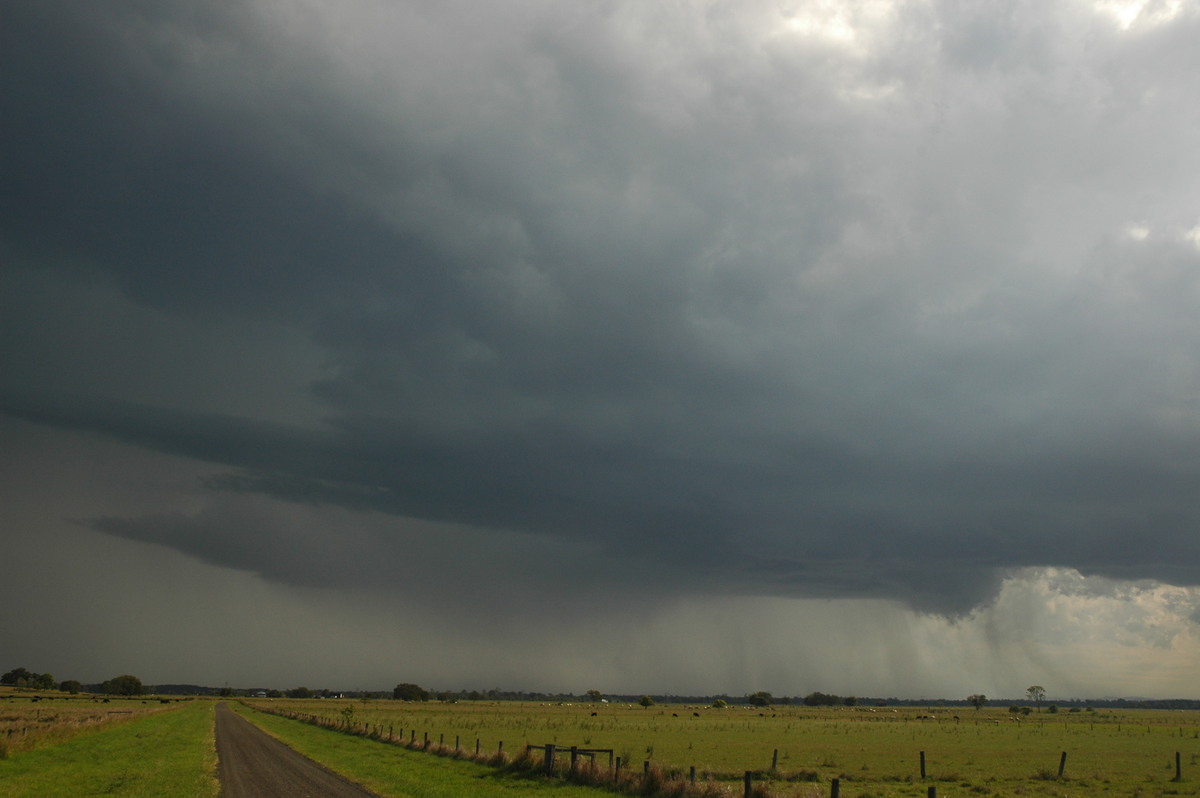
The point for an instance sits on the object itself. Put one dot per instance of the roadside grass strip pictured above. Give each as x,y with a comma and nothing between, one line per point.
397,772
167,754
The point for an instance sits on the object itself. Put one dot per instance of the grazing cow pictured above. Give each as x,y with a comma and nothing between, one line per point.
695,714
593,714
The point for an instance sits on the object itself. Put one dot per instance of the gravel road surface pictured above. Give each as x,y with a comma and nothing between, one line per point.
255,765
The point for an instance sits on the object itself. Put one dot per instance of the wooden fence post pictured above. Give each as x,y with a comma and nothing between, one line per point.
646,767
692,773
1178,770
932,792
549,759
922,764
1062,764
835,788
747,781
775,760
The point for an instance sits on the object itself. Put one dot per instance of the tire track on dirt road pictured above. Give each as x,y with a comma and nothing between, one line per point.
253,764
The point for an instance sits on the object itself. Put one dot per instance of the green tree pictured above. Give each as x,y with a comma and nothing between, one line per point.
17,677
850,701
1037,694
124,684
821,700
760,699
300,692
646,701
720,703
594,695
71,686
410,692
977,700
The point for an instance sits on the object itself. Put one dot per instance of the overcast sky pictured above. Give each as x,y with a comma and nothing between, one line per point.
685,347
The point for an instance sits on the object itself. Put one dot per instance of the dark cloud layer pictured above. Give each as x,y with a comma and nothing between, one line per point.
792,310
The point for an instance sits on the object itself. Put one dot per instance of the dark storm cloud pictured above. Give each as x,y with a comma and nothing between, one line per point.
678,284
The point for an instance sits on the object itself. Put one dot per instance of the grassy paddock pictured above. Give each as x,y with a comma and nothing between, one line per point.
873,751
153,754
33,720
397,772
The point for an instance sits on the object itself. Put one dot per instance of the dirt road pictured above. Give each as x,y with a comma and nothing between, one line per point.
255,765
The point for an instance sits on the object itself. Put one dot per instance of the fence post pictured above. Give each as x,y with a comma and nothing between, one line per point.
646,767
775,760
1178,770
747,780
456,742
1062,764
692,775
932,792
574,757
618,763
476,746
835,788
922,764
549,759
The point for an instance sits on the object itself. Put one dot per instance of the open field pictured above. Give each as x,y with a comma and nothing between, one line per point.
873,751
30,720
158,754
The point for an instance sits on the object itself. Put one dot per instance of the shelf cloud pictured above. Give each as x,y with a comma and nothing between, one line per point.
809,312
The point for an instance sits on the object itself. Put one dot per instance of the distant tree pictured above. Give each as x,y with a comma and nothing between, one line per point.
300,692
1052,709
720,703
71,686
17,677
1037,694
821,700
43,681
760,699
646,701
123,685
850,701
594,695
977,700
410,692
274,694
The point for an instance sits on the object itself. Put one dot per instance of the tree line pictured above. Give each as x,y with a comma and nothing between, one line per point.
123,685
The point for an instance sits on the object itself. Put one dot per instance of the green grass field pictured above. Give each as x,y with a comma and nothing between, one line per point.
162,754
151,750
874,752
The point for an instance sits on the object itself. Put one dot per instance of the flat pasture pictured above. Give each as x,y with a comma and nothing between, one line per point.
147,754
872,751
33,720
